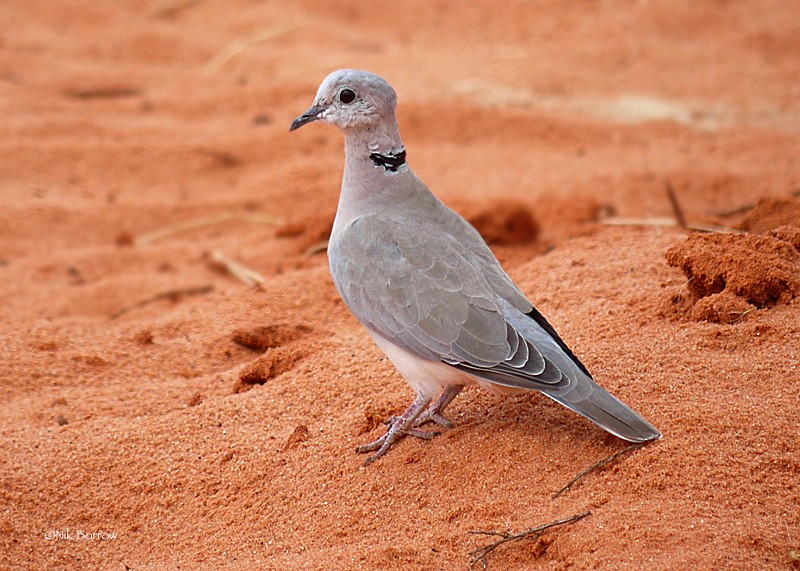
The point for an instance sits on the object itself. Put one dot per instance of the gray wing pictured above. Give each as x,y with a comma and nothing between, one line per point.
432,299
449,301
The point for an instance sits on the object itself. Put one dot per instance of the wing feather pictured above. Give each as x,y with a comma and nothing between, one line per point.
438,303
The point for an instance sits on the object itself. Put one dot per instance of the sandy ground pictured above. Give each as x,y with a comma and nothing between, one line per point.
157,413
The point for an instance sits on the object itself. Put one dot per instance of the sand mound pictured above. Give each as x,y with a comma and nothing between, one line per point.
309,232
571,217
770,213
501,222
789,234
550,221
275,340
729,274
264,337
723,307
268,366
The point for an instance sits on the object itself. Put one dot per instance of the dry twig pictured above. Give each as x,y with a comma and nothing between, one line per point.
748,206
598,465
103,92
169,9
243,42
676,207
316,248
678,220
741,314
173,294
247,275
668,223
479,555
203,222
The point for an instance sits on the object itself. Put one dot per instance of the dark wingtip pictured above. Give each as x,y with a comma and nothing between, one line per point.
544,324
648,437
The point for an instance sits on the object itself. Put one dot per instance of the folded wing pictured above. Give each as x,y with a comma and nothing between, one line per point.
452,302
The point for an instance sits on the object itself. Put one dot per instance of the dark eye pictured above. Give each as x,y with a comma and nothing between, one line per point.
347,96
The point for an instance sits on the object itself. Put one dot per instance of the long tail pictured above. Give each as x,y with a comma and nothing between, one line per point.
581,394
611,414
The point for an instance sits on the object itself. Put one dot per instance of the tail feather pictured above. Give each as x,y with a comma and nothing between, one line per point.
582,395
611,414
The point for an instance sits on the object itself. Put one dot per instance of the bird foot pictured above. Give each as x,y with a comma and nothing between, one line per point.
385,442
433,416
424,434
399,426
407,425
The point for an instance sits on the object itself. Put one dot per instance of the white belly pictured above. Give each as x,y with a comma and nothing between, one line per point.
429,378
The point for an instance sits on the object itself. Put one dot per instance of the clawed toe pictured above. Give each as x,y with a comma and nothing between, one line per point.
409,422
434,417
425,417
391,436
424,434
385,442
372,446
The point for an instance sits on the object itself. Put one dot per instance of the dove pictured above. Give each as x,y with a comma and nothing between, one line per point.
426,286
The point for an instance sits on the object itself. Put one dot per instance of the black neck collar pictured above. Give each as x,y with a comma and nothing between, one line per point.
389,162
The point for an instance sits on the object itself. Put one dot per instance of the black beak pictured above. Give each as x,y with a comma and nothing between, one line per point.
307,117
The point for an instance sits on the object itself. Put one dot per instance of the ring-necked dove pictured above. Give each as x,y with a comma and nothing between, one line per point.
427,287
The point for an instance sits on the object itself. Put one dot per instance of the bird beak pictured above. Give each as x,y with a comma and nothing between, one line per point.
311,115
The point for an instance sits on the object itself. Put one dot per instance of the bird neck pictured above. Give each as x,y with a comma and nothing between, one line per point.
379,148
376,173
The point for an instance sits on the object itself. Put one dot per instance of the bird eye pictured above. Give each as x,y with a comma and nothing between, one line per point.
347,96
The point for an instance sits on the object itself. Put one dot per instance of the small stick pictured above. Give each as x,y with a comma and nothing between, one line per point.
598,465
737,210
676,207
711,229
479,555
243,42
202,222
173,294
249,276
101,92
741,314
668,223
168,9
748,206
316,248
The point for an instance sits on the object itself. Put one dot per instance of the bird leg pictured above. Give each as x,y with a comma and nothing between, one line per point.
399,426
434,413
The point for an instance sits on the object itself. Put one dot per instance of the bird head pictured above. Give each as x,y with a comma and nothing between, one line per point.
351,98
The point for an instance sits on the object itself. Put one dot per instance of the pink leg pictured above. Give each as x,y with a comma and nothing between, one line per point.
399,426
434,413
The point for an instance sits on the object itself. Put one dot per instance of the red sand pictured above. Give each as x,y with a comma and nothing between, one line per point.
137,400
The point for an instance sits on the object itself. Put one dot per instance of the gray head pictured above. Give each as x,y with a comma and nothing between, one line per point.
351,98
